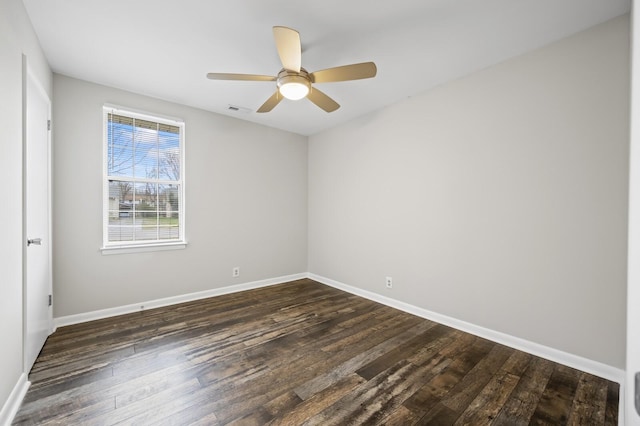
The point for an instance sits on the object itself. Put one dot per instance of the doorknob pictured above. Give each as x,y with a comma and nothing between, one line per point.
36,241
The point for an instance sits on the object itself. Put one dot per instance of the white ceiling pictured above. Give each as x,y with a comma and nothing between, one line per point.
165,48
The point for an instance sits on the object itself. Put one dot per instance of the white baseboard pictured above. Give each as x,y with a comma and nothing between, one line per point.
593,367
583,364
167,301
12,404
589,366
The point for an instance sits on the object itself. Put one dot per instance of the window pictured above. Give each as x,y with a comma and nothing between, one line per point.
143,191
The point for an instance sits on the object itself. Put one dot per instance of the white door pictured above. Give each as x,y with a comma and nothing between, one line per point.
37,206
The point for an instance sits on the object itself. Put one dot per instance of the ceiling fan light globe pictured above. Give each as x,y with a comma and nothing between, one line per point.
294,87
294,91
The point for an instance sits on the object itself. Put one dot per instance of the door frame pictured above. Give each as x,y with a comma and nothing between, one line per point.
632,418
27,73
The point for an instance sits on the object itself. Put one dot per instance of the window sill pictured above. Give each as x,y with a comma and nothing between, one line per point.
109,250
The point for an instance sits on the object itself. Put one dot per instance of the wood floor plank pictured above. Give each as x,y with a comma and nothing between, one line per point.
519,408
590,401
484,408
283,403
98,389
66,412
196,408
143,411
613,396
75,379
318,401
465,391
447,343
371,401
491,400
477,378
356,362
555,402
257,417
467,353
399,353
298,353
440,415
401,416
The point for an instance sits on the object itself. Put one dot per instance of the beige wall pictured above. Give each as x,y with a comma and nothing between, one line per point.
16,38
246,205
499,199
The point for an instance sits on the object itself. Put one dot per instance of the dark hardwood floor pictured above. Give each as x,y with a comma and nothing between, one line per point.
299,353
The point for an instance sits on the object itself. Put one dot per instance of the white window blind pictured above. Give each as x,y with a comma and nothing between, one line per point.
143,180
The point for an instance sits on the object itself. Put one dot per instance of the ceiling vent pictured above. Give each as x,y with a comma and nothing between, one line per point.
235,108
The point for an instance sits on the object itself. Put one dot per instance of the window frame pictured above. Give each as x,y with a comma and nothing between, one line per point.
118,247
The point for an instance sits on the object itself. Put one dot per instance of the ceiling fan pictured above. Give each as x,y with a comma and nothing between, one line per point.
294,82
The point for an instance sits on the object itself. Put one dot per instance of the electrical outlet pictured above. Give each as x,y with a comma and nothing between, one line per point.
389,282
236,272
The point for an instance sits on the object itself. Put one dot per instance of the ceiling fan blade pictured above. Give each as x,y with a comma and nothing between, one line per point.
245,77
288,45
344,73
322,100
270,103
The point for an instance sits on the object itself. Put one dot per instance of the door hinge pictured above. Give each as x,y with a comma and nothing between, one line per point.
50,300
48,124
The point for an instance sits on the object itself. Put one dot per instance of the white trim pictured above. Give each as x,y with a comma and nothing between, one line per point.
157,303
144,115
30,80
153,244
138,248
633,248
593,367
11,406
